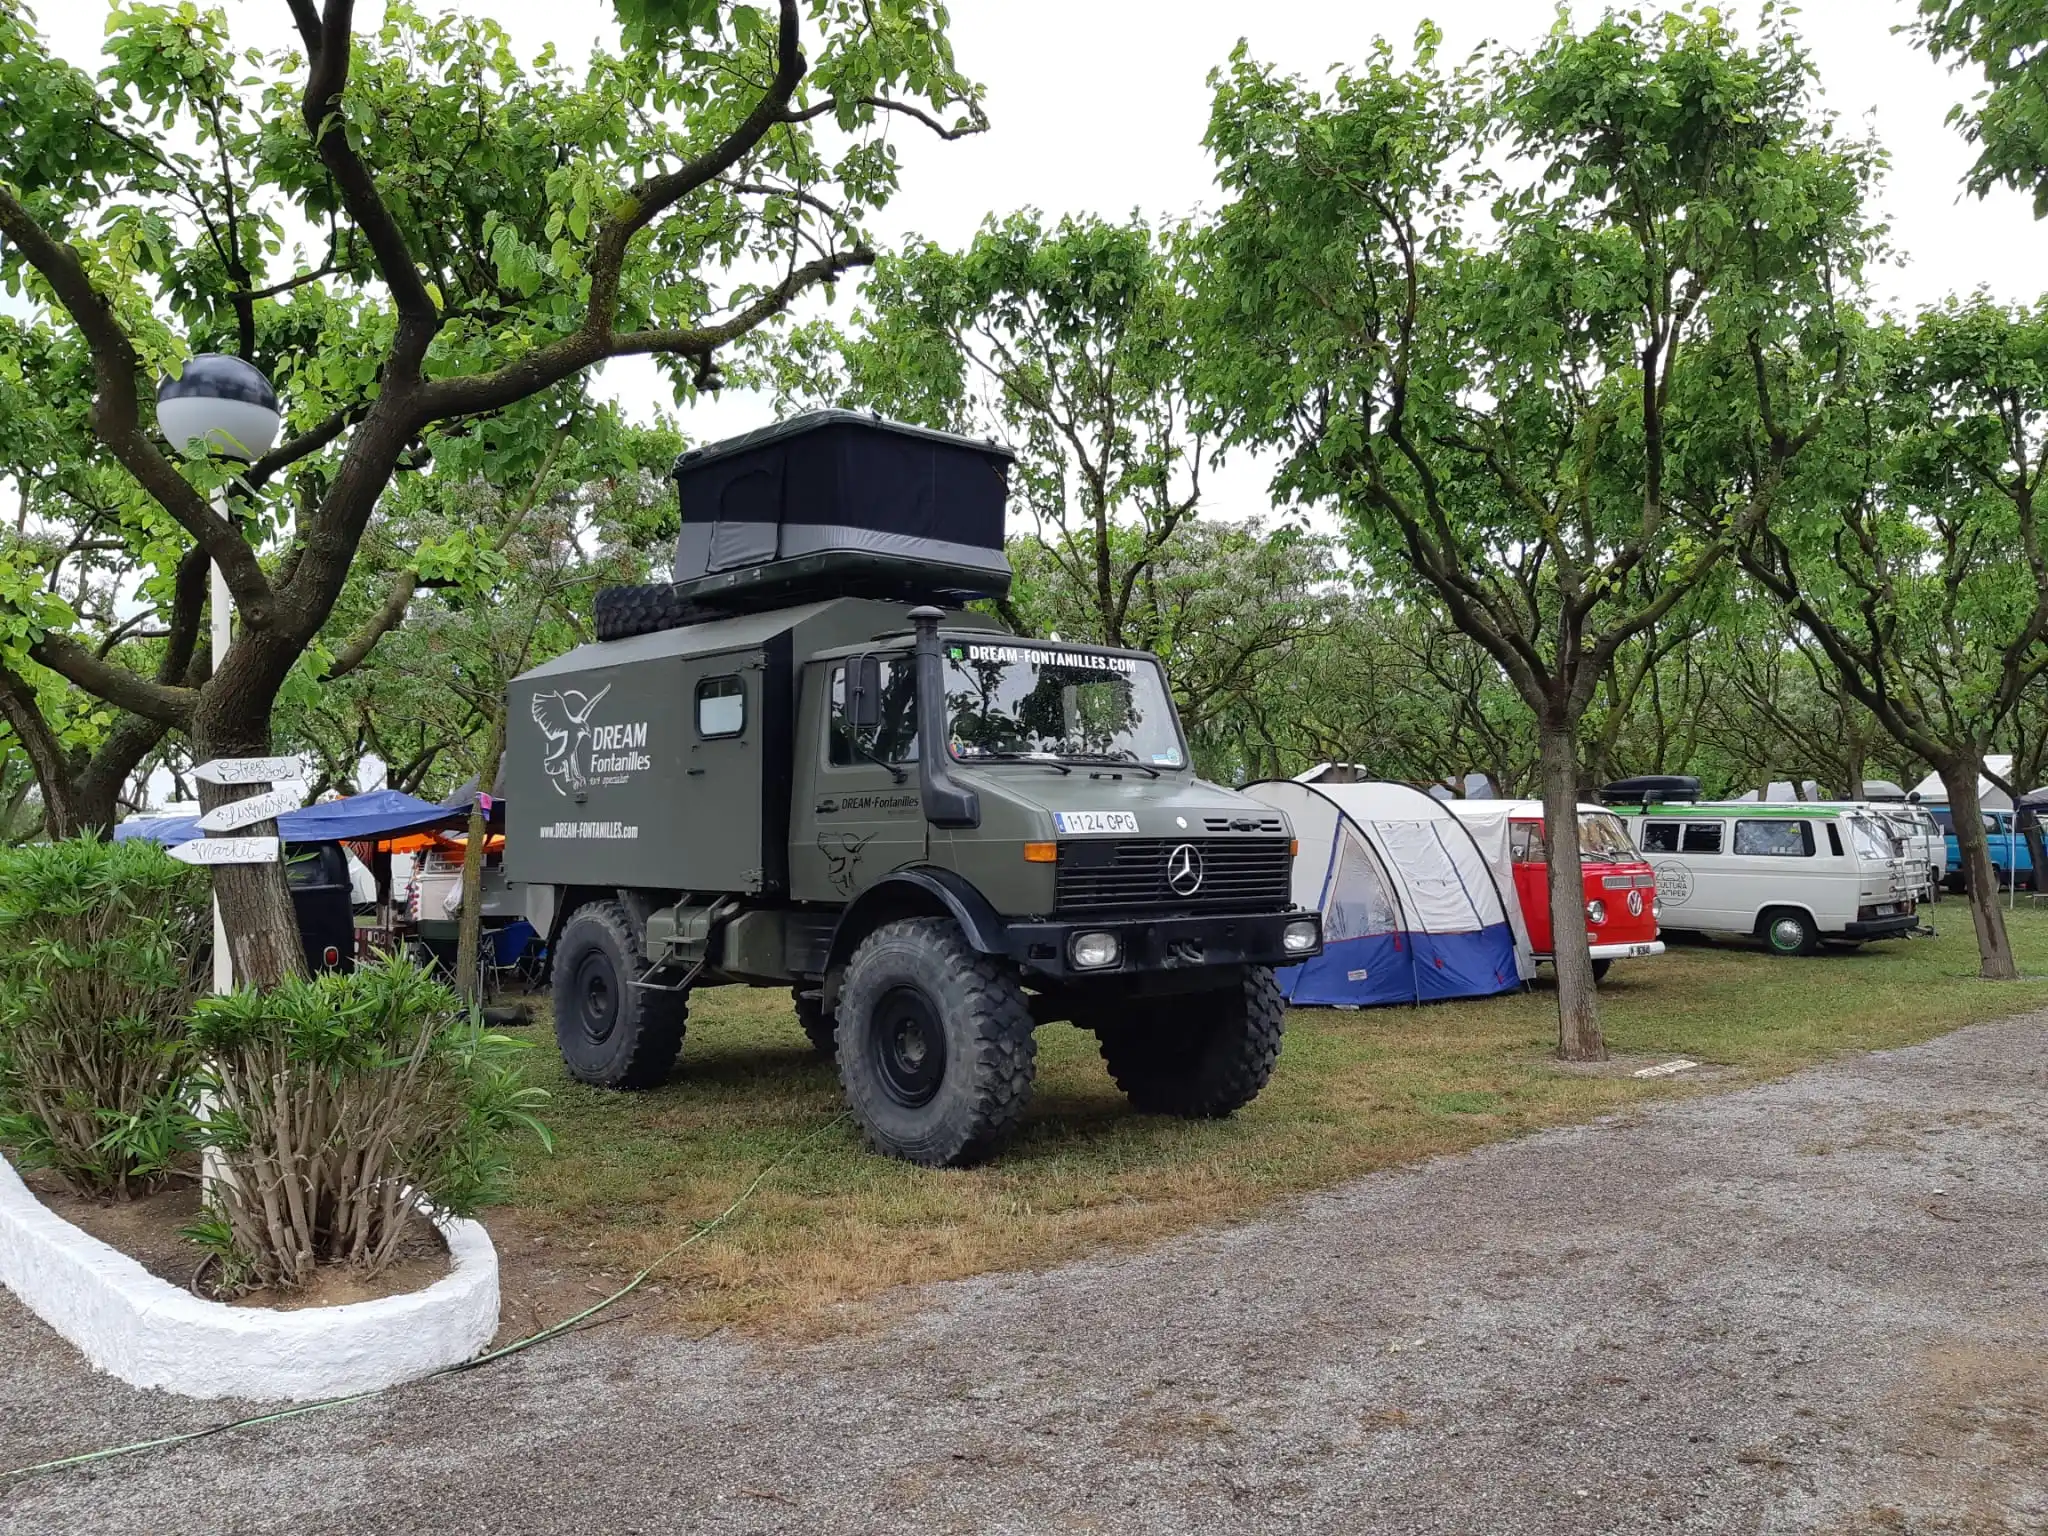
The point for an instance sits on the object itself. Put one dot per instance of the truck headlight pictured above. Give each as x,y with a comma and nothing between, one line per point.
1092,951
1300,936
1596,911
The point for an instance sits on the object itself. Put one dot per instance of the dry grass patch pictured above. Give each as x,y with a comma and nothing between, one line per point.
632,1173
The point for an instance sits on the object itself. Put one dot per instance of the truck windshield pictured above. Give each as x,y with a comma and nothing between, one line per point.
1014,700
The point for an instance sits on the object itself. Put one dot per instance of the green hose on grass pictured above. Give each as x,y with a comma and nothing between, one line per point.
488,1357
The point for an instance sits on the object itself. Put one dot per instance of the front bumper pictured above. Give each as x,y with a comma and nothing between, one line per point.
1163,946
1627,951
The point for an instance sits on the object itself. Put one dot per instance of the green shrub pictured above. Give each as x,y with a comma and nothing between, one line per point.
103,947
336,1105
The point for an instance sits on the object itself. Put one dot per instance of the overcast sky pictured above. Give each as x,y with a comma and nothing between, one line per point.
1099,106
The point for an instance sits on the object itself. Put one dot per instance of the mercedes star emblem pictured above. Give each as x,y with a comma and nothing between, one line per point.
1184,870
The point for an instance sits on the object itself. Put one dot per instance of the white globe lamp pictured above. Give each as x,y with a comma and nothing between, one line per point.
218,405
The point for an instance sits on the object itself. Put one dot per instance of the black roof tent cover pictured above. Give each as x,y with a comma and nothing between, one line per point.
838,503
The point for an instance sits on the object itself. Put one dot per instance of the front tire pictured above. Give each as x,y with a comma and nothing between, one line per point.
612,1034
1199,1057
935,1047
1601,968
1788,932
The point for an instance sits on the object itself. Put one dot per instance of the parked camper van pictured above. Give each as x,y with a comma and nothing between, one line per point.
1621,888
2010,856
1791,874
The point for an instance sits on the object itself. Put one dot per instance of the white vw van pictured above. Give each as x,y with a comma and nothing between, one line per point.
1791,874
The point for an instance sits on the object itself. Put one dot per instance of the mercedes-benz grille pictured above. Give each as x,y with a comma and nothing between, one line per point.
1197,874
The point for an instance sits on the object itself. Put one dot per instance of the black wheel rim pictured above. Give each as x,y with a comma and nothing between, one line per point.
908,1046
597,998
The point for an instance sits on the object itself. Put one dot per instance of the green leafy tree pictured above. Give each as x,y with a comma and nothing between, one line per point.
2008,119
482,233
1499,314
1921,571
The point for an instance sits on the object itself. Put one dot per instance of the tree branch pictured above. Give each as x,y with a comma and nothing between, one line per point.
116,684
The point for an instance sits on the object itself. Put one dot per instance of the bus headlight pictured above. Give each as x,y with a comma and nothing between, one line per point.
1596,912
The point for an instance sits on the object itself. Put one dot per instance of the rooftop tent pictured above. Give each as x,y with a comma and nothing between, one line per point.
1412,909
841,501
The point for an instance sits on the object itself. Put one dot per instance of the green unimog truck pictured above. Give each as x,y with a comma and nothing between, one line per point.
805,763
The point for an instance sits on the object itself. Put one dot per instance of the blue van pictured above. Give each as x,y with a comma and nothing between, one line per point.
2009,853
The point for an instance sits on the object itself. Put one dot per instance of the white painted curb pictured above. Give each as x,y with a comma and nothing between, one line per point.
150,1333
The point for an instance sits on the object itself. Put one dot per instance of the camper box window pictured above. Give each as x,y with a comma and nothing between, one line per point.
1660,837
1775,839
721,707
1701,837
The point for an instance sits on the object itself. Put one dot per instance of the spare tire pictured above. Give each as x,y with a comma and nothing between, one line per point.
622,612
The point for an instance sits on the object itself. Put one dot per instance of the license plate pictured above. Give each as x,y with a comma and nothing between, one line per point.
1887,910
1084,822
1638,951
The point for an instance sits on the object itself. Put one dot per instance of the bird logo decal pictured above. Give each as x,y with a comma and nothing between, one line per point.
842,852
564,719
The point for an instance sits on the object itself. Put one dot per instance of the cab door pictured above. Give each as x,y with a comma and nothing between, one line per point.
857,813
1532,881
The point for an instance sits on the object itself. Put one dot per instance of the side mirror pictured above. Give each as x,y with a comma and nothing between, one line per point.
864,694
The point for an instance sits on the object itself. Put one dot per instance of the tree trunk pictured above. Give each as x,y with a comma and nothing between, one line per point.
469,942
1578,1009
255,903
1994,948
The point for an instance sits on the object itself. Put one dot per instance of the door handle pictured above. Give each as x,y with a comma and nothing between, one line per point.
692,773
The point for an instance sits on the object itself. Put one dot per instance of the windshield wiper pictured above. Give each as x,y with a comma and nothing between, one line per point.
1036,759
1125,758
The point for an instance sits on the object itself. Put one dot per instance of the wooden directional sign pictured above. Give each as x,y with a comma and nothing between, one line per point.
248,770
227,850
246,813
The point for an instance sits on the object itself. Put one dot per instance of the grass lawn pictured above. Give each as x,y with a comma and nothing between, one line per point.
1355,1091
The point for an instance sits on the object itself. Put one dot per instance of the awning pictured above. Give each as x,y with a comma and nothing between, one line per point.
373,814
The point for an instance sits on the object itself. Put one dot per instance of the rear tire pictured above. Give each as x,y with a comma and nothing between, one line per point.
612,1034
1200,1057
1786,931
935,1045
819,1027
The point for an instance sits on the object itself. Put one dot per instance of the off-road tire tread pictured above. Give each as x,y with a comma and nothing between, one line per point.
619,613
819,1027
1005,1050
1164,1067
658,1019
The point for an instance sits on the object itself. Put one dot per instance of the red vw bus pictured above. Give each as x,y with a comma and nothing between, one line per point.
1621,889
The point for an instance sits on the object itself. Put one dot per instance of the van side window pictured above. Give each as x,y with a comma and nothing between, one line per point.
1525,842
1775,839
896,738
1834,840
1660,837
1701,837
721,707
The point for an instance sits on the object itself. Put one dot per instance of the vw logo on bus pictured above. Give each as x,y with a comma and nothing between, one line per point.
1184,870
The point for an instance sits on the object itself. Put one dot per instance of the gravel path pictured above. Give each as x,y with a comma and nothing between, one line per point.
1816,1305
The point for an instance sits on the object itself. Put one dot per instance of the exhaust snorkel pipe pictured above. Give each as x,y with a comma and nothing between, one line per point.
947,802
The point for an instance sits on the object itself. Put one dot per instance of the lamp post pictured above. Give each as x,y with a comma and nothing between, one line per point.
226,408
